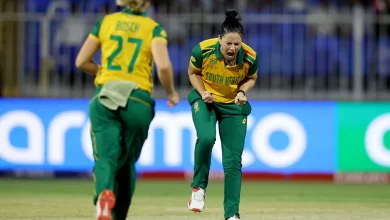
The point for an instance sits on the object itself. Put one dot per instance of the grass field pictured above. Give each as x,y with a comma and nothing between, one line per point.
71,200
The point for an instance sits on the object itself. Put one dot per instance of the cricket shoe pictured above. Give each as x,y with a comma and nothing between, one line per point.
196,203
104,205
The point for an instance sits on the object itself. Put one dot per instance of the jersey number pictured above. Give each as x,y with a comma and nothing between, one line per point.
118,50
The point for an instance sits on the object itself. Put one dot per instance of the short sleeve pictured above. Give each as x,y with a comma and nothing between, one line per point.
196,57
253,69
96,29
160,33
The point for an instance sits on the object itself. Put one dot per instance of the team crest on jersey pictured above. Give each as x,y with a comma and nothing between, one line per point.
213,61
196,107
163,33
193,59
244,121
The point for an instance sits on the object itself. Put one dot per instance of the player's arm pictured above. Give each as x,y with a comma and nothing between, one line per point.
195,70
251,78
161,58
84,60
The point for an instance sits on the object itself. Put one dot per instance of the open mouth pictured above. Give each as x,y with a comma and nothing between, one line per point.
230,54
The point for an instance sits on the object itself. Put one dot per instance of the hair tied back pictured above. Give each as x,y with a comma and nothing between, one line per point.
232,14
232,23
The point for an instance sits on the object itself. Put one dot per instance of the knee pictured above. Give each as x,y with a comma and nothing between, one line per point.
106,165
206,141
232,164
204,145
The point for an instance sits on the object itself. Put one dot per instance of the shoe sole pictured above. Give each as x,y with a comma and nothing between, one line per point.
107,199
196,210
193,209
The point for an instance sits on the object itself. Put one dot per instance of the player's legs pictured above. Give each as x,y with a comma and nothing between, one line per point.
232,130
106,139
204,118
136,118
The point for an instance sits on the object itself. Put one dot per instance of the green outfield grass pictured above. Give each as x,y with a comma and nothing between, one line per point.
72,199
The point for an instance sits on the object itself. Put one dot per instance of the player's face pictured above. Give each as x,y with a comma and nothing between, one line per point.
230,45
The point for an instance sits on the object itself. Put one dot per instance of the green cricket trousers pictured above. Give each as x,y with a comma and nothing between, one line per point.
117,138
232,120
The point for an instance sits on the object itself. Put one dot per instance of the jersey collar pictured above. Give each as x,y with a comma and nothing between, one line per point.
128,11
240,55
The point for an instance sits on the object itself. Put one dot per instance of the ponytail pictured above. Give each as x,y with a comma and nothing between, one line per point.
232,23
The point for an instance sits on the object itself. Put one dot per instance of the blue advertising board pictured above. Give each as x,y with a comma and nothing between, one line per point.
282,137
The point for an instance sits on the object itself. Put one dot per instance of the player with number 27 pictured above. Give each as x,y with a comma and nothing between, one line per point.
122,108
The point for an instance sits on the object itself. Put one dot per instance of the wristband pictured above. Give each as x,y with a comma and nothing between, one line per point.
241,91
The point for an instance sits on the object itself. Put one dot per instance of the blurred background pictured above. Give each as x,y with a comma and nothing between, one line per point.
308,49
320,108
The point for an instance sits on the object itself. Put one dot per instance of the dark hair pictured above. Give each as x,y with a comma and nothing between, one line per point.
232,23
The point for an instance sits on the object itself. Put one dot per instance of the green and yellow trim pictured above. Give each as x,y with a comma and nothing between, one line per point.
93,137
160,39
93,37
253,68
128,11
197,57
96,29
159,33
94,183
140,101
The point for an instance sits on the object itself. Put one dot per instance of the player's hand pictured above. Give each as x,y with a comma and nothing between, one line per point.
240,99
207,97
173,99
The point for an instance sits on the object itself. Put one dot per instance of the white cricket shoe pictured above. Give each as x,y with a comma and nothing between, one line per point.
196,203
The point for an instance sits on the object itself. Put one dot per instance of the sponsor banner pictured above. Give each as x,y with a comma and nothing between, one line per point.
363,137
282,137
362,178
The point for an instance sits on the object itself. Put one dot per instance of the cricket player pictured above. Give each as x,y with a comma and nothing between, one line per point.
221,70
122,107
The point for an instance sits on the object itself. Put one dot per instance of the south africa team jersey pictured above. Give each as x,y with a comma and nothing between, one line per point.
222,80
125,38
